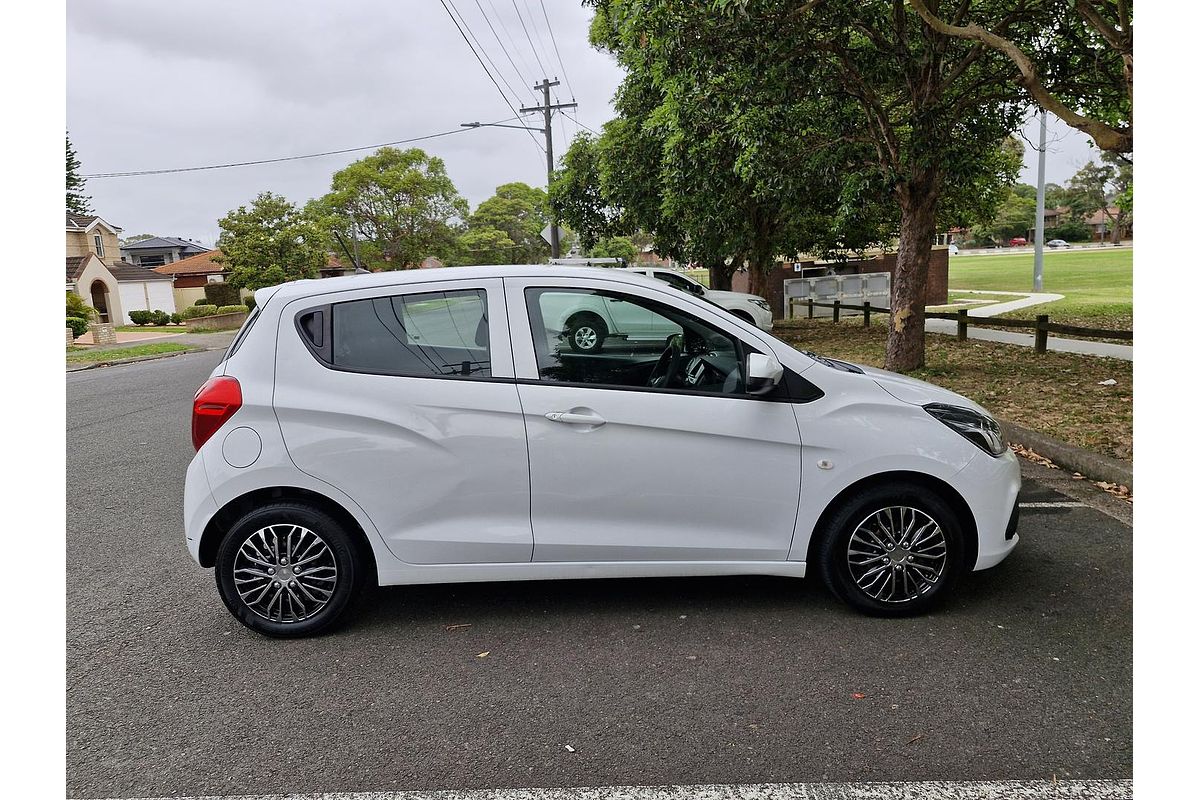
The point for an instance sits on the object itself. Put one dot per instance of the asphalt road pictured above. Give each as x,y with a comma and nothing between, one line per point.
1025,674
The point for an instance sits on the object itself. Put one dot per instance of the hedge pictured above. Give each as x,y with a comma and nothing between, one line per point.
221,294
78,326
191,312
238,309
250,302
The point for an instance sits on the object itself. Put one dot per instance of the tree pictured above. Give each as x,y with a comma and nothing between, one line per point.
614,247
77,202
484,245
519,212
1080,68
820,127
1015,217
401,204
269,243
139,237
1105,187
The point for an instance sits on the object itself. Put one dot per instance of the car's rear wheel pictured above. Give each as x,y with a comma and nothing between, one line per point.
586,333
288,570
892,550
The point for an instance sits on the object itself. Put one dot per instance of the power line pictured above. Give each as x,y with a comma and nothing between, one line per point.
520,76
512,41
558,55
277,160
529,38
516,95
577,122
489,72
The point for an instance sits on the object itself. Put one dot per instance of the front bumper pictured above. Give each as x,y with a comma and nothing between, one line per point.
990,486
762,318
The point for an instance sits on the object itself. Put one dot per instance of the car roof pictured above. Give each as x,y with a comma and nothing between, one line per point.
316,286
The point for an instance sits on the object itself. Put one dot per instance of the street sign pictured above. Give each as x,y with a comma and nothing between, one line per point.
546,234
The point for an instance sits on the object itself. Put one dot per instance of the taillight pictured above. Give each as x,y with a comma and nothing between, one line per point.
216,401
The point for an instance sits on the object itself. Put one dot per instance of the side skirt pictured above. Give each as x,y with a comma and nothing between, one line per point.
549,571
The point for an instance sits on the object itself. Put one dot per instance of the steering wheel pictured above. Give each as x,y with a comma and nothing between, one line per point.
668,363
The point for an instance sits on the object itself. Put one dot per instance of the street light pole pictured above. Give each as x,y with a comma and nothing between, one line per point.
1039,229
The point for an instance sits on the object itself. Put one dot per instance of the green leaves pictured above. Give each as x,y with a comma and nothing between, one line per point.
270,242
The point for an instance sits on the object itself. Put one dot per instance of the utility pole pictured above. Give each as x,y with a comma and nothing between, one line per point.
546,130
1039,224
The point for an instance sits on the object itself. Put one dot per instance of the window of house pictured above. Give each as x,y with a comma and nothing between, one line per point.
613,339
99,245
151,261
426,334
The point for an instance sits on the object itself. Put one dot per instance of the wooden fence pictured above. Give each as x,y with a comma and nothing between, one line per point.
1042,326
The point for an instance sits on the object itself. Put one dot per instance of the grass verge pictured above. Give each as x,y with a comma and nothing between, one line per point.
114,354
1058,394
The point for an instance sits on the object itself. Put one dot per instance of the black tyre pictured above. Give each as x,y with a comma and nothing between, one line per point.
892,550
586,333
288,570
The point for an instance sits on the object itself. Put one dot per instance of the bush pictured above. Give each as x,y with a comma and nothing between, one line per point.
232,310
78,326
141,317
1071,231
221,294
203,301
250,302
159,318
77,308
191,312
176,319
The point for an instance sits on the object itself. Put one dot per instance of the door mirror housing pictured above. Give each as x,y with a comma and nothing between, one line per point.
763,373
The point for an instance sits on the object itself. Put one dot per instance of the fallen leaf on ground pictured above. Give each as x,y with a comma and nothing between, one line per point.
484,654
458,626
569,748
858,696
916,738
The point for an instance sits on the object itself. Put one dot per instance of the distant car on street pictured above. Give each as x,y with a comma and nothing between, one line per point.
1018,241
749,307
1057,243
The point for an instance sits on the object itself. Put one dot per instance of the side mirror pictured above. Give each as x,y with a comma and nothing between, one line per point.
696,289
763,373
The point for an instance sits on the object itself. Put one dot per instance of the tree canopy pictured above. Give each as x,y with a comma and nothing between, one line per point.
400,205
270,242
77,201
507,228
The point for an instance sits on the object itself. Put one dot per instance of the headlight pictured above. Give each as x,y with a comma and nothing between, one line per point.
761,303
980,429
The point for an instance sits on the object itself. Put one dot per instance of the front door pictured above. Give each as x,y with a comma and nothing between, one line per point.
658,454
403,398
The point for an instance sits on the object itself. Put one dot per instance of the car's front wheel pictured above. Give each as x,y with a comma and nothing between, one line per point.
892,550
287,570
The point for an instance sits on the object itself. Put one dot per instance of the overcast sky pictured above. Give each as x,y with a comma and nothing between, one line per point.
154,85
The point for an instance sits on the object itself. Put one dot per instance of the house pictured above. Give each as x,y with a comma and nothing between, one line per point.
1101,223
160,250
108,284
193,273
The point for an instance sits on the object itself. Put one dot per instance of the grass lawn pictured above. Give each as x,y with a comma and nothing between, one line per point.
1098,284
1056,393
112,354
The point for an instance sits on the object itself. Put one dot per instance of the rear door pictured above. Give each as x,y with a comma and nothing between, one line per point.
403,398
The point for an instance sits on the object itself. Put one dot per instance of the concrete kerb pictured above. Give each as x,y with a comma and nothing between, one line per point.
1068,456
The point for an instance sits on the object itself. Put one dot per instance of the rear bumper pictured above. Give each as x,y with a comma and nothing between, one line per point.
198,505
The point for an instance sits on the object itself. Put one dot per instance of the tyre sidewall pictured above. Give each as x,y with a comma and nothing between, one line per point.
344,553
836,538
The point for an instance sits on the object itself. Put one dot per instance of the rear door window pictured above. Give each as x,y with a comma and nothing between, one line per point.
426,334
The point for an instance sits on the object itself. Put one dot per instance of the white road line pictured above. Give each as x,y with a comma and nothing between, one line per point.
902,790
1056,504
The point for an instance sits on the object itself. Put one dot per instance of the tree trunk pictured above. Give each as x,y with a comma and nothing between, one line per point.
918,226
720,276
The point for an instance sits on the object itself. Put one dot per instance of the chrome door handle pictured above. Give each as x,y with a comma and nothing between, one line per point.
572,418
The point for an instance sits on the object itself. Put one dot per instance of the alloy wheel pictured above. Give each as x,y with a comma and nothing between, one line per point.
285,573
897,554
585,337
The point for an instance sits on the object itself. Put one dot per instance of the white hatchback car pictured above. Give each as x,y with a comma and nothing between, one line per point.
436,426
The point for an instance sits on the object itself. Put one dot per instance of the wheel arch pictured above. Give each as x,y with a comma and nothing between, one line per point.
742,314
221,522
940,487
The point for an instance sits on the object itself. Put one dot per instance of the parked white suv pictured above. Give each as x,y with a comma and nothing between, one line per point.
750,307
434,426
